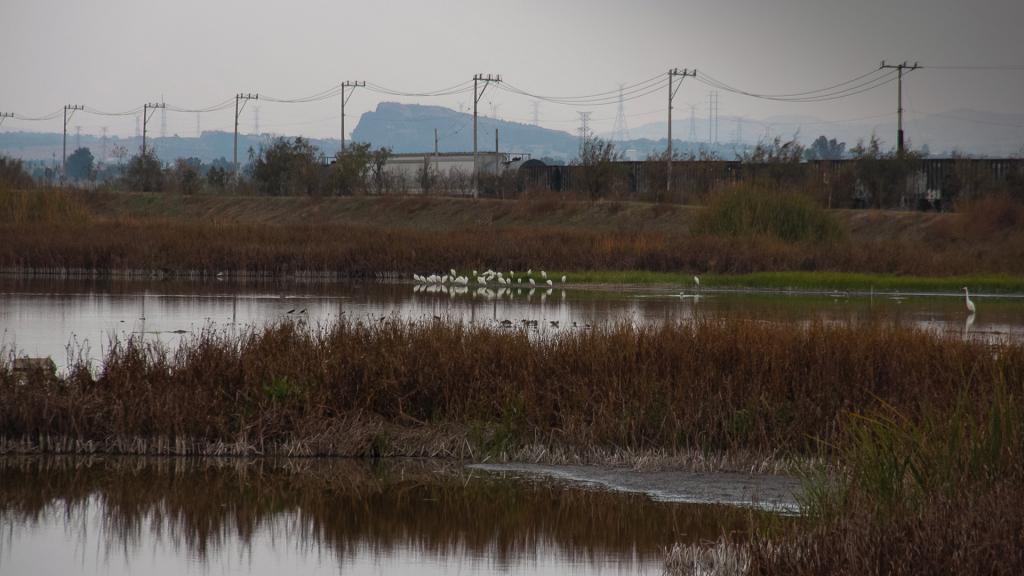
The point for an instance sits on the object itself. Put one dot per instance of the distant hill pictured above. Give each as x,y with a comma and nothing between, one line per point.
410,128
209,146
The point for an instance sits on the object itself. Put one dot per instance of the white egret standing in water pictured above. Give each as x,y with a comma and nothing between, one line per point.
967,302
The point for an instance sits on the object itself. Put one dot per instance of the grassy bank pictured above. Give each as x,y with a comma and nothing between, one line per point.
786,243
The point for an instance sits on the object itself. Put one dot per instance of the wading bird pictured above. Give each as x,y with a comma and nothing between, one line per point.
968,303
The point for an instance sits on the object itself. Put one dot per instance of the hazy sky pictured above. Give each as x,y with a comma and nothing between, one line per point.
114,55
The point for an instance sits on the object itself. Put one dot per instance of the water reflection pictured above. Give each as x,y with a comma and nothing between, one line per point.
119,514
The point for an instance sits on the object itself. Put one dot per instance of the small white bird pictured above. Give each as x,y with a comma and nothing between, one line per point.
543,274
550,283
967,302
696,280
563,279
532,283
453,272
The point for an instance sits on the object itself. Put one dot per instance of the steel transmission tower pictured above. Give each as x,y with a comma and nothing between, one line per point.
620,131
693,124
584,127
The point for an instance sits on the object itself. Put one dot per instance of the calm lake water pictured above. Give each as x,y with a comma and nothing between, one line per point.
41,317
77,515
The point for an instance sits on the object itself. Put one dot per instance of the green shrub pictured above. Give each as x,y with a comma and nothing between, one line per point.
748,211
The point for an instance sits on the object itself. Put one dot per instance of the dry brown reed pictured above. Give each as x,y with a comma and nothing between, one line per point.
170,246
57,230
397,388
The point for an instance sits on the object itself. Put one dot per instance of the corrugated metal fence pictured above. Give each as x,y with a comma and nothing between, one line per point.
920,183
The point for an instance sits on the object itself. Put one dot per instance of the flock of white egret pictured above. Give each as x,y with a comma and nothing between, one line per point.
487,278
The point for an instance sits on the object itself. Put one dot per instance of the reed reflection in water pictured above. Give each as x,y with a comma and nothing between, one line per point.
118,515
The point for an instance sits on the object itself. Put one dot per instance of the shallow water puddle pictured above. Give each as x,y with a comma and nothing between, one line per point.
772,493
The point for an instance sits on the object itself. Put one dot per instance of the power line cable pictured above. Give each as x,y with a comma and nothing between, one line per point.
824,95
49,116
632,93
725,86
609,93
96,112
1009,67
460,88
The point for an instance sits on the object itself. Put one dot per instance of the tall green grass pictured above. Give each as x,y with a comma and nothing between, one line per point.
43,206
936,493
752,211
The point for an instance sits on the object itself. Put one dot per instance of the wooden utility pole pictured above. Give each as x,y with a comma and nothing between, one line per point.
244,99
344,100
673,87
145,119
67,117
900,68
478,93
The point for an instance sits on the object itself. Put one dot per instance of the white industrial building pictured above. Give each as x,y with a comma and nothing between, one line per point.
452,171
